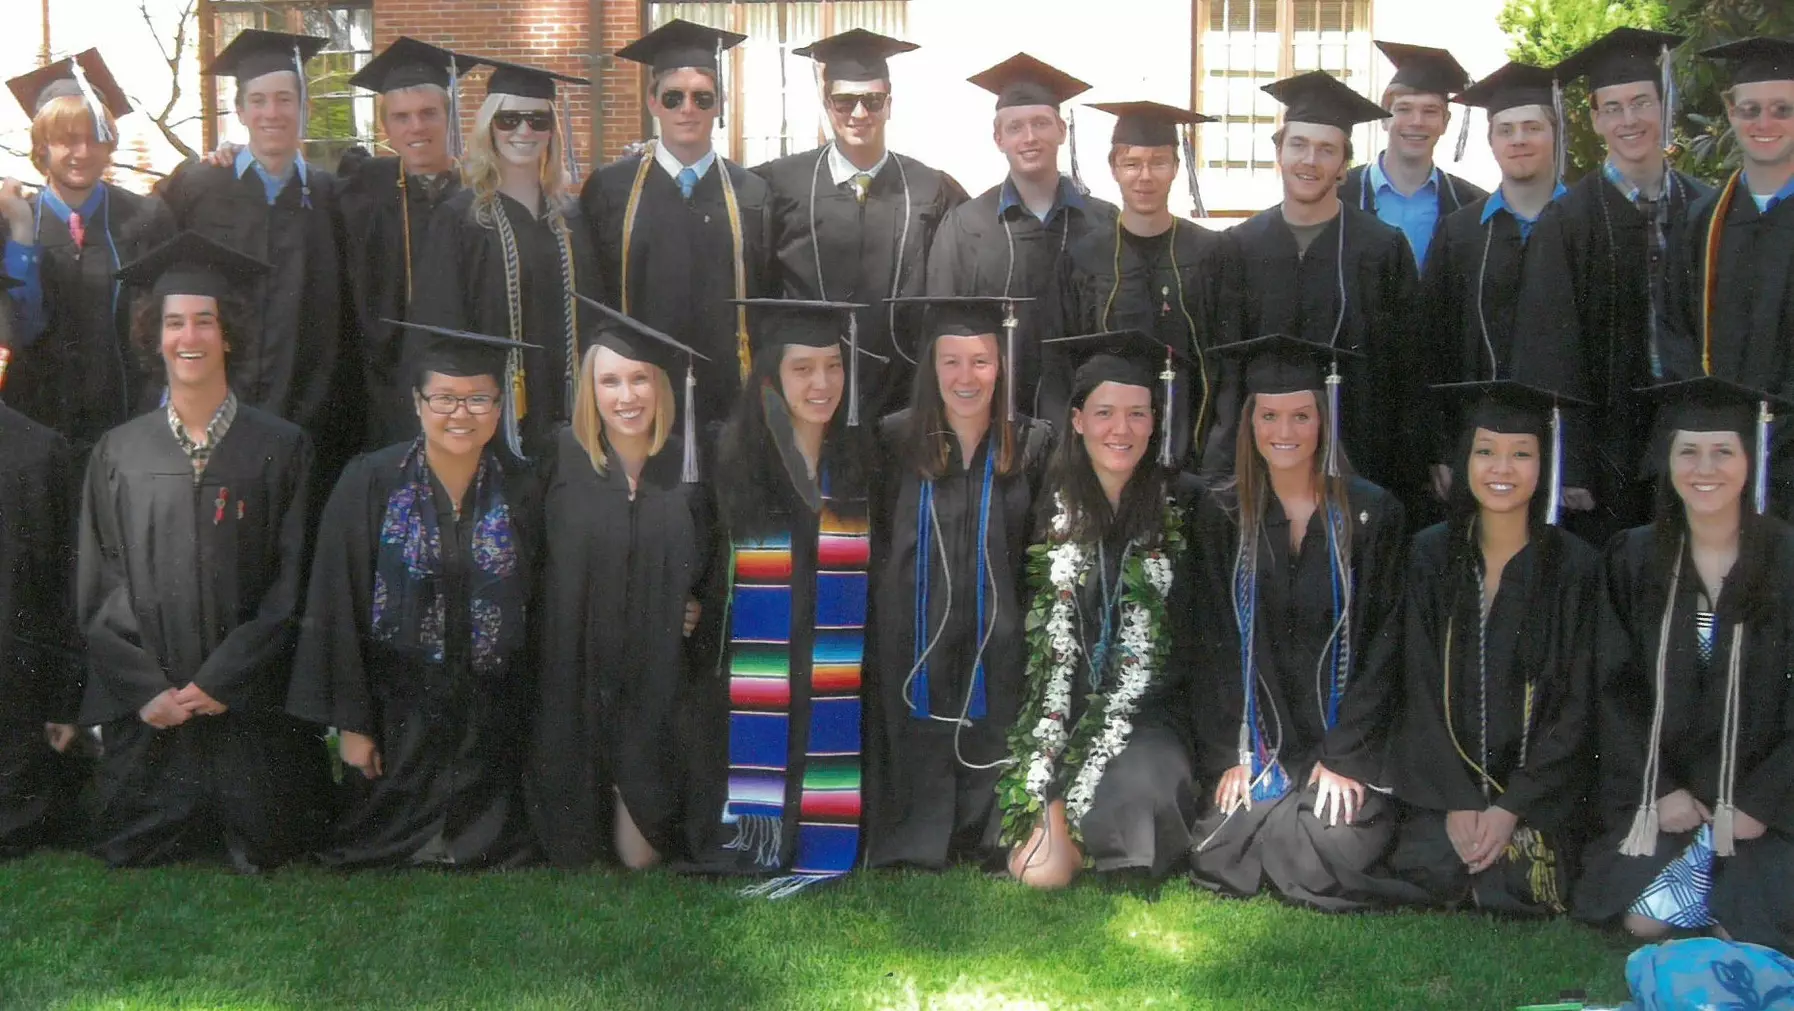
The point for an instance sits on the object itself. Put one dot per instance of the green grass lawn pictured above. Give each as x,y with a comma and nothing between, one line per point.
74,935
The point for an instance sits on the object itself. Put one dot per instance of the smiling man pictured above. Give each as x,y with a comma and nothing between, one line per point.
679,229
1403,186
853,220
1013,238
1735,303
72,368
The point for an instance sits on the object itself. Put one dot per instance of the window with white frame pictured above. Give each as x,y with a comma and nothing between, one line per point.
340,116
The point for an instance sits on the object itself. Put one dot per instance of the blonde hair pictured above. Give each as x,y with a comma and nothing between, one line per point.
60,120
480,165
588,423
1252,478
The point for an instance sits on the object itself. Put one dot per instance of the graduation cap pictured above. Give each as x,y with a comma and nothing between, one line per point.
680,43
192,264
466,353
1507,407
814,323
1424,68
1131,358
522,81
255,52
855,55
972,316
1277,364
1512,86
84,76
1756,59
639,342
1712,404
1622,56
1319,97
1024,80
1154,124
408,63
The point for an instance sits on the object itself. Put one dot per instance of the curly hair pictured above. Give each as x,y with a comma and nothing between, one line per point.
146,331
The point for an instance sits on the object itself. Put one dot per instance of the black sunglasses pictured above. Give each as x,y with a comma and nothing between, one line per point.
540,121
874,101
673,98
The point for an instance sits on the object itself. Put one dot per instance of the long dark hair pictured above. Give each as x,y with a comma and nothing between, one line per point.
1750,594
1071,475
753,491
928,440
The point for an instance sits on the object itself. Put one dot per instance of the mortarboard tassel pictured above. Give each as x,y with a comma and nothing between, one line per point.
1333,419
513,411
457,145
1671,99
853,368
722,106
1188,134
1555,486
1009,325
1071,132
304,91
1760,487
1169,378
101,131
1463,144
689,470
567,142
1560,138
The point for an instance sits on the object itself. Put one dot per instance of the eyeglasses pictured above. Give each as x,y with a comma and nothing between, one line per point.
1748,111
1643,105
476,404
673,98
874,101
540,120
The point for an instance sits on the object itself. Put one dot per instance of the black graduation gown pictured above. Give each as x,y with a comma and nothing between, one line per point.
466,291
40,667
1145,297
928,808
299,353
375,213
1753,891
450,738
82,377
1469,294
616,664
981,251
182,581
1298,295
1541,635
1282,844
1591,249
866,253
682,262
1455,192
1753,311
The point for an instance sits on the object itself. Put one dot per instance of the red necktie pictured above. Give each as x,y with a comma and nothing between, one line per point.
77,231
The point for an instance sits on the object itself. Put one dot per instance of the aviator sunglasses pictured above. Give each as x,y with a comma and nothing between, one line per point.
673,98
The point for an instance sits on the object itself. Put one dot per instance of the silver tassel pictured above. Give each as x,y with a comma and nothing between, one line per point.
1071,132
1009,325
1555,486
1760,489
1333,420
1671,99
1560,136
567,143
304,90
1463,144
1169,378
101,131
689,470
853,368
457,145
721,103
1197,210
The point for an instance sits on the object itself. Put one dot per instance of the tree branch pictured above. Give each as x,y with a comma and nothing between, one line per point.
173,56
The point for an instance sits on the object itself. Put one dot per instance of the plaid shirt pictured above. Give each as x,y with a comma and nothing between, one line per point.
1656,212
201,452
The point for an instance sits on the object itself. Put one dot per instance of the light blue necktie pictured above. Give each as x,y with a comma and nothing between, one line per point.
688,180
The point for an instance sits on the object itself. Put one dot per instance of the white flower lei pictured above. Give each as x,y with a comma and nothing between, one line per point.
1052,732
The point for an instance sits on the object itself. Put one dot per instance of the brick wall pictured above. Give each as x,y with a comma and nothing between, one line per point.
556,35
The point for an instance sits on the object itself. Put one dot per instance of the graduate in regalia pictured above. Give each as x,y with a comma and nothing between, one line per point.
1696,708
776,787
40,660
1323,271
853,220
419,640
1733,301
1607,247
298,353
1101,752
387,202
679,228
190,571
1300,564
1403,185
1173,280
1491,754
510,253
73,366
630,523
1012,239
953,500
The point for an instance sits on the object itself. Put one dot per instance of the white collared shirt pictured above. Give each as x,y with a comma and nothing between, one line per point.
669,162
841,170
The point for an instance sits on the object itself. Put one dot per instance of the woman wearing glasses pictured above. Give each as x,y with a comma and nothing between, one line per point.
416,643
672,234
510,255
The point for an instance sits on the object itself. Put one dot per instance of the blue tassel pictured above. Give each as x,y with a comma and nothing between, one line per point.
1760,491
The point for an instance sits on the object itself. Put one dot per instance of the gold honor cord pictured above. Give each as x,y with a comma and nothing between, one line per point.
736,243
1710,283
405,226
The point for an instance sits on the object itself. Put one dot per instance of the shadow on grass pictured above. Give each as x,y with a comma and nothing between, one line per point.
74,935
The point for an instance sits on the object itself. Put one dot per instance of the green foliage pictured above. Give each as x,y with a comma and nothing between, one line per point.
1711,151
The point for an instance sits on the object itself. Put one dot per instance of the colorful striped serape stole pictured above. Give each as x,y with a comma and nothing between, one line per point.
761,669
